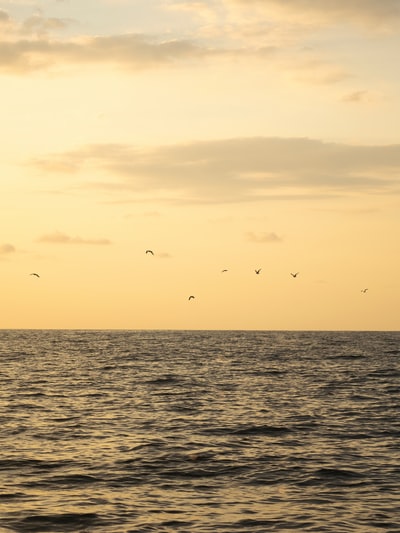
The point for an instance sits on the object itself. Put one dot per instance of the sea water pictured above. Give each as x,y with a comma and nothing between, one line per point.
199,431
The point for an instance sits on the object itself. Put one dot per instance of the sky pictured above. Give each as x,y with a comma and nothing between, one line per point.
220,134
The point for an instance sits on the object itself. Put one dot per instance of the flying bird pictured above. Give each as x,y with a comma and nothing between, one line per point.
191,297
364,290
225,270
150,252
295,274
34,274
257,270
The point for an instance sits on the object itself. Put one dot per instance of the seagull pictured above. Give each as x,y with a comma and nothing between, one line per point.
150,252
191,297
364,290
257,270
295,274
34,274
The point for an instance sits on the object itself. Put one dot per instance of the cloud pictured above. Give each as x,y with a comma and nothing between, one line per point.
130,50
236,170
61,238
357,96
34,45
30,46
276,30
263,237
6,249
4,17
370,14
40,26
35,25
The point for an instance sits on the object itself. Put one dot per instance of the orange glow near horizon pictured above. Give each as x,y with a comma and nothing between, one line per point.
222,137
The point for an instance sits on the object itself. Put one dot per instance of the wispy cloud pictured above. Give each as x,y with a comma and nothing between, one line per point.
357,96
41,26
228,30
6,249
133,51
263,237
4,17
370,14
235,170
61,238
36,25
36,44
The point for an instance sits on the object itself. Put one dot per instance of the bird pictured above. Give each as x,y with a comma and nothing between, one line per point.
225,270
257,270
150,252
191,297
295,274
364,290
34,274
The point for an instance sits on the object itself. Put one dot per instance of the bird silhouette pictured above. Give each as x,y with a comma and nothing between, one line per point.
225,270
364,290
191,298
257,270
150,252
295,274
34,274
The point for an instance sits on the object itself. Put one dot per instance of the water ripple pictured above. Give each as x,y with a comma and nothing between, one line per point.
235,432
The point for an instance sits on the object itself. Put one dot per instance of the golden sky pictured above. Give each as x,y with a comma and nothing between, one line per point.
221,134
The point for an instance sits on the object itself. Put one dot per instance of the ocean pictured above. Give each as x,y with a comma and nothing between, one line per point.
199,431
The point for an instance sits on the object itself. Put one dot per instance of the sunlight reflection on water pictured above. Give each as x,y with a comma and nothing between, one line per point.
199,431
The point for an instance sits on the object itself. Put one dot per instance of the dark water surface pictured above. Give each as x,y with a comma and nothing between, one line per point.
199,431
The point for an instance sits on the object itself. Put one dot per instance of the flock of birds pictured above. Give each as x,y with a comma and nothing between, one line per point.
257,271
191,297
